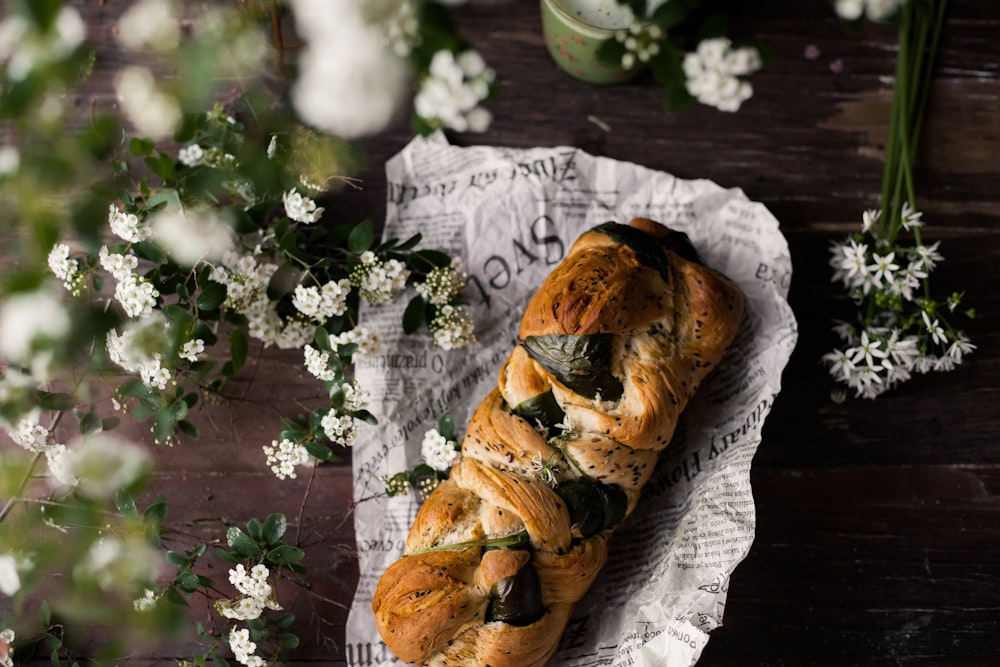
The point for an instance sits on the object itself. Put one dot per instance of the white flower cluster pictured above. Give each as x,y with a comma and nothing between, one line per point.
641,41
246,293
35,438
66,269
885,353
346,59
244,650
451,94
145,603
367,341
437,451
192,350
193,235
452,328
23,48
301,209
7,637
322,303
355,398
149,24
547,471
283,457
318,364
403,29
136,295
875,10
127,226
191,155
10,578
136,358
443,283
377,281
342,429
713,73
154,112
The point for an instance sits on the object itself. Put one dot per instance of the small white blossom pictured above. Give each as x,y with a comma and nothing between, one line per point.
437,451
30,435
136,295
7,637
713,73
883,268
191,155
191,350
869,219
244,650
322,303
104,464
452,328
283,457
318,364
934,329
451,94
910,217
66,269
153,112
244,609
10,579
57,457
367,341
379,282
145,603
31,325
355,398
301,209
191,236
149,24
10,160
252,584
443,284
342,429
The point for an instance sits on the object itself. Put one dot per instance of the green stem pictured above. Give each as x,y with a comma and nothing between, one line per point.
520,539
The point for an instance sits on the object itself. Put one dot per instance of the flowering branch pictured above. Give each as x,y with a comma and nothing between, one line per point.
900,328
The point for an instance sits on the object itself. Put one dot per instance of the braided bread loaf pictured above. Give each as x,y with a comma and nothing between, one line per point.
612,346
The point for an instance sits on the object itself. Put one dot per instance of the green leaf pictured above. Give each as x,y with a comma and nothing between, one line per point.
187,428
56,401
225,556
188,581
285,620
672,13
285,554
362,237
365,416
47,614
176,559
125,503
163,425
543,409
254,529
322,339
110,423
140,147
178,410
157,511
582,363
238,349
211,296
413,316
90,423
287,640
410,243
150,252
275,526
320,451
610,52
241,542
446,426
162,165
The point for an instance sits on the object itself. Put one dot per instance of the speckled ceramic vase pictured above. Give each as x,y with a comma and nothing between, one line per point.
574,30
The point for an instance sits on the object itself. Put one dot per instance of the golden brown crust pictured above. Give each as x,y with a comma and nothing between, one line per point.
666,322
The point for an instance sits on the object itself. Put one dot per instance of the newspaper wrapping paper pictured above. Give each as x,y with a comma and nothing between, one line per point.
511,215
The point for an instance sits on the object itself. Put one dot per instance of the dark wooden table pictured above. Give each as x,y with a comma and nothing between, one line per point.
878,522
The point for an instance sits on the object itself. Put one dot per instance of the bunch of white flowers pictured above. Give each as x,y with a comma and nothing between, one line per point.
301,209
342,429
452,328
451,93
443,284
378,281
714,73
7,637
66,269
127,226
437,451
244,650
283,457
322,303
906,333
874,10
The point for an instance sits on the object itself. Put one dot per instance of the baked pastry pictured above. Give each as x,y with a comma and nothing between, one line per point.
612,346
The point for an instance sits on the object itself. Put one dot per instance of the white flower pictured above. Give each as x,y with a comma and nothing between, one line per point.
120,266
850,9
322,303
24,49
192,349
867,350
119,564
284,456
934,329
301,209
10,160
869,218
191,236
379,282
10,580
959,348
244,609
452,328
139,349
252,584
191,155
350,83
145,603
243,649
367,341
66,269
841,365
928,256
712,73
153,112
437,451
443,284
452,92
318,364
883,268
342,429
104,464
136,295
149,24
7,637
30,435
57,457
31,325
910,217
355,398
